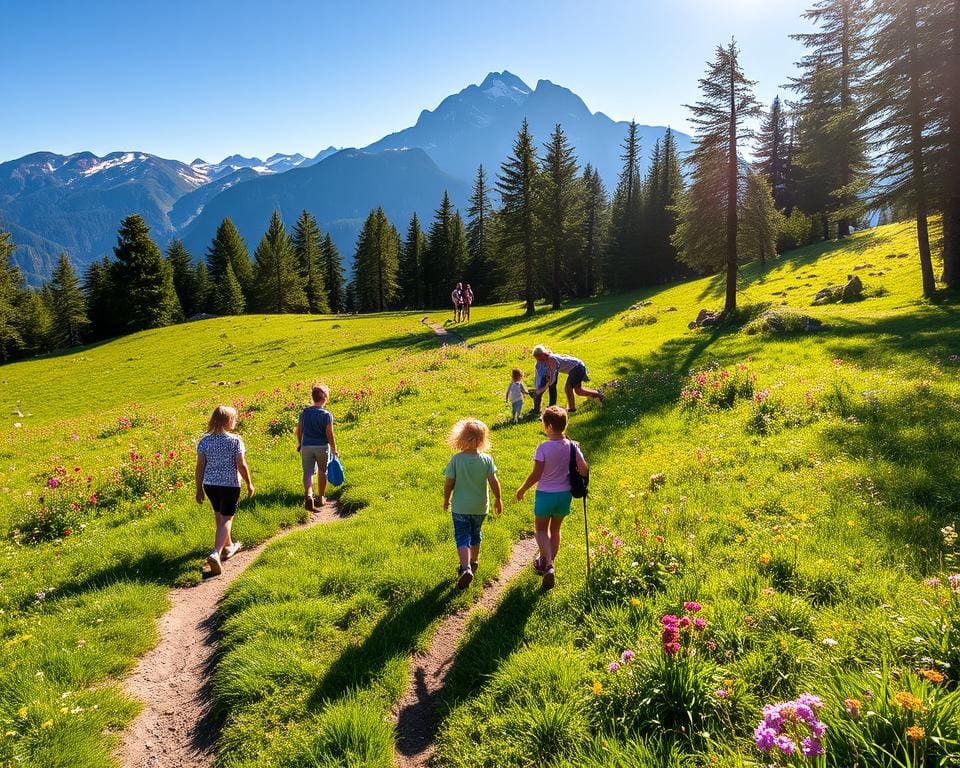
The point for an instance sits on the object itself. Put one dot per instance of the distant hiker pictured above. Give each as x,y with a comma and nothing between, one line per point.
456,296
576,374
515,393
542,379
551,475
467,474
221,462
315,442
467,302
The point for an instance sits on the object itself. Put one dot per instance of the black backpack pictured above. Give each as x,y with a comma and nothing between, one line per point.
578,482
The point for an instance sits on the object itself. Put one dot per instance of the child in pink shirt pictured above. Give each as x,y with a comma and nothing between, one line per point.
551,475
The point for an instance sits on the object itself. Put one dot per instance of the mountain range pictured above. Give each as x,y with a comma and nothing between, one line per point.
52,203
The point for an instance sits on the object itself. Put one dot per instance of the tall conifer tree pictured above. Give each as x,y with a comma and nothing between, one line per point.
596,220
184,276
726,103
664,182
759,222
833,120
411,276
101,297
70,321
441,268
333,278
11,281
771,152
143,279
228,247
375,264
625,262
903,101
561,213
517,184
275,274
308,247
948,84
480,271
202,299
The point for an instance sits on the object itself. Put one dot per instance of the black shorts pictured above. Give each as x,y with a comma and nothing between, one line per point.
577,376
223,498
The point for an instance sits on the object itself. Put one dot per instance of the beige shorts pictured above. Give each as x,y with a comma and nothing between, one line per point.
314,458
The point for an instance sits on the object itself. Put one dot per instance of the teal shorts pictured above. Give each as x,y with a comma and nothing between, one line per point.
552,503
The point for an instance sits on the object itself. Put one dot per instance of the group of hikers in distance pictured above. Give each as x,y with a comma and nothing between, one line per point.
559,467
462,298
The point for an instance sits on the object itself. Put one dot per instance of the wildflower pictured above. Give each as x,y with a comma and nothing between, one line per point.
627,656
66,532
53,482
692,607
764,559
672,649
699,623
722,693
764,737
853,707
954,581
47,724
950,535
22,712
636,602
915,733
785,744
932,675
597,688
829,642
811,747
908,701
613,667
933,582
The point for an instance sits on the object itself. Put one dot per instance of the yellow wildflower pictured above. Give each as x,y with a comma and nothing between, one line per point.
932,675
47,724
22,712
597,688
636,602
908,701
765,558
915,733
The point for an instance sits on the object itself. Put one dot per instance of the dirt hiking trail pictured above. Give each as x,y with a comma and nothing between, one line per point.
416,716
176,728
446,336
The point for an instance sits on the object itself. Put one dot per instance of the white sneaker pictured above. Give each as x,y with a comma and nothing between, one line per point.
213,560
227,552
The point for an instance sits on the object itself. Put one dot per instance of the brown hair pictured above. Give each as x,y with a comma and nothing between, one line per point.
517,374
468,435
555,418
223,419
320,392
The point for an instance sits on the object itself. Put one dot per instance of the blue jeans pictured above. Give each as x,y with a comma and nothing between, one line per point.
466,530
517,409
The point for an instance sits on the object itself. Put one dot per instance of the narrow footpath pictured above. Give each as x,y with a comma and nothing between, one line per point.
446,337
416,716
176,728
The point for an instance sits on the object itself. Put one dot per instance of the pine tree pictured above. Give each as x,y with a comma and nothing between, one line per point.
69,308
184,276
411,276
560,213
833,120
11,281
480,270
517,184
771,152
726,102
625,263
333,278
948,84
228,297
596,218
143,279
100,293
307,246
275,275
664,182
903,105
202,299
228,247
375,264
459,251
760,223
35,321
441,267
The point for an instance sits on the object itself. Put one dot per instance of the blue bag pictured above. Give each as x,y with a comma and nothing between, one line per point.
334,471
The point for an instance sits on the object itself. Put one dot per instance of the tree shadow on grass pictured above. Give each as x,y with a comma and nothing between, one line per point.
396,634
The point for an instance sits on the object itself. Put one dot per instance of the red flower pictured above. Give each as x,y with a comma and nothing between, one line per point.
66,532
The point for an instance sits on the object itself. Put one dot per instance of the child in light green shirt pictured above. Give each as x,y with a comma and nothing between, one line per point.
468,473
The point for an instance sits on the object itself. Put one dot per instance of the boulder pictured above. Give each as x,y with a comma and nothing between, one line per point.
853,290
706,317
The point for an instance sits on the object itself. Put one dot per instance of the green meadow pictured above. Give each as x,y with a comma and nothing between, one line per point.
798,486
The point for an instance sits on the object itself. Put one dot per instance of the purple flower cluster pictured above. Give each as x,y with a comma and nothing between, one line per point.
673,626
625,658
792,727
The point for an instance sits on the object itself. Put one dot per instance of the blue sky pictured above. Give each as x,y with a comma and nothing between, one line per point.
208,78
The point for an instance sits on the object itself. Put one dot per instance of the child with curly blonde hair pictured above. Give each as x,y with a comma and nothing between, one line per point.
468,473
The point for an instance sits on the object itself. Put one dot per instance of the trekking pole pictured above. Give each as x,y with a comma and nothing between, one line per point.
586,535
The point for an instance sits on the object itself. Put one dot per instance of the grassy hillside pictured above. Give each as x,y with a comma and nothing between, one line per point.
795,485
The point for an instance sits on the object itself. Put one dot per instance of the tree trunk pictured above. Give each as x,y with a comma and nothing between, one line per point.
951,212
843,223
916,151
732,174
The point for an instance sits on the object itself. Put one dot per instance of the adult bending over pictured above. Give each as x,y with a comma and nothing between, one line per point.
576,374
315,441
